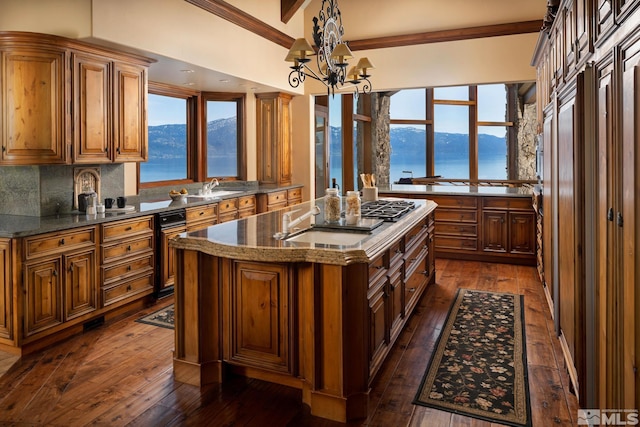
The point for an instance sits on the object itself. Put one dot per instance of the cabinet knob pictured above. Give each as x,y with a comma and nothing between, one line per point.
128,228
128,287
62,241
411,289
71,268
55,273
129,248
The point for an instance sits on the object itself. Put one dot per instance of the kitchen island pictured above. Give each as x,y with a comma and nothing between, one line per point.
306,311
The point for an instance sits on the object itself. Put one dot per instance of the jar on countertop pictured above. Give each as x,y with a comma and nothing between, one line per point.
332,205
352,208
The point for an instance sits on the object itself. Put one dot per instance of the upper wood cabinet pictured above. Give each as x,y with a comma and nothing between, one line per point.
65,101
92,115
130,112
274,138
33,115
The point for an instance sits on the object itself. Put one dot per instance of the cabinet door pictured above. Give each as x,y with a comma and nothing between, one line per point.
167,259
80,284
33,108
494,231
43,299
522,233
92,115
261,305
5,290
603,17
378,326
130,113
274,125
396,302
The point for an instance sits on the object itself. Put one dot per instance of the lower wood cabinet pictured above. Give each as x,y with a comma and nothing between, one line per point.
122,242
261,303
167,258
275,200
486,228
59,283
6,304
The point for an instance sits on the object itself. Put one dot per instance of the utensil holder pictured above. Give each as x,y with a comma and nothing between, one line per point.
369,194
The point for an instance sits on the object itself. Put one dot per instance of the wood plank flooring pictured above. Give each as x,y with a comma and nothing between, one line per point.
120,374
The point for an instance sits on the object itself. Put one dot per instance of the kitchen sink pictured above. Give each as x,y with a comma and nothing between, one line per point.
328,238
214,194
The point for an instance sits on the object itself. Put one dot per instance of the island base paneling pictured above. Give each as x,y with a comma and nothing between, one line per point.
324,328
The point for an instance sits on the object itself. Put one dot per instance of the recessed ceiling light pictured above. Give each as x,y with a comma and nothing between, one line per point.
224,80
187,71
188,83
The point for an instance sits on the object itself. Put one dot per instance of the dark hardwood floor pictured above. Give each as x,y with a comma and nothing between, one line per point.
121,373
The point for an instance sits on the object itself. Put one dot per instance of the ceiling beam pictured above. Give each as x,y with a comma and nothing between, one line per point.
441,36
288,8
242,19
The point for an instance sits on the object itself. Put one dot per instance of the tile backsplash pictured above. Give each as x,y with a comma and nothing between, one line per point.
48,190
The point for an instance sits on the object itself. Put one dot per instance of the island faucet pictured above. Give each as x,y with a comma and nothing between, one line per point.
288,224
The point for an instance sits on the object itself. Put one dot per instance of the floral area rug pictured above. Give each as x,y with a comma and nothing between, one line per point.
479,367
162,317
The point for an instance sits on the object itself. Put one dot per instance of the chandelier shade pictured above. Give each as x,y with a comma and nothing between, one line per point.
331,56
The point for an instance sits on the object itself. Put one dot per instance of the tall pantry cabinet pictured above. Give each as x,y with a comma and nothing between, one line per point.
588,79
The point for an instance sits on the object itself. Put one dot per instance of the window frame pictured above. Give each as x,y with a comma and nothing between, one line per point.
240,99
196,133
191,96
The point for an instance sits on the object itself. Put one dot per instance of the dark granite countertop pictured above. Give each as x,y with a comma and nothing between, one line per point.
21,226
472,190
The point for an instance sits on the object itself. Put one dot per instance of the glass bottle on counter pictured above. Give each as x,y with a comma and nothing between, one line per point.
352,209
332,205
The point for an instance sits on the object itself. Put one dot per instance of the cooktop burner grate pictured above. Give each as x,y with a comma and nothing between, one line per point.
387,210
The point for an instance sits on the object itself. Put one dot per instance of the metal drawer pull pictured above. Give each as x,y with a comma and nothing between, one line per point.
62,241
128,228
411,289
129,247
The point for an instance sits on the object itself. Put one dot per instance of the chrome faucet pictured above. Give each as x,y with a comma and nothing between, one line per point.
288,224
208,186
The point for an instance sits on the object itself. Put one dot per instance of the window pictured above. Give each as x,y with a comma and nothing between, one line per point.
176,154
466,120
168,140
222,139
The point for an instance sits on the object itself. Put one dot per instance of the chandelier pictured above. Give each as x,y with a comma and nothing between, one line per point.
331,57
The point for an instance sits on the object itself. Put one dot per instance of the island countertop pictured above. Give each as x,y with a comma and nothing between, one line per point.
252,238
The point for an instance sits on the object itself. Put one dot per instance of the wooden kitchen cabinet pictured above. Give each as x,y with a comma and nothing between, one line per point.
34,119
127,255
92,100
65,101
227,210
275,200
6,304
168,258
495,225
130,112
262,305
246,206
274,128
199,217
379,324
60,279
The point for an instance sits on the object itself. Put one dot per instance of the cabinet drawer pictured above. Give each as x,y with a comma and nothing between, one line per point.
507,203
470,202
415,257
377,268
139,246
276,198
456,215
228,216
446,243
247,202
123,229
294,193
199,225
395,254
201,212
228,205
115,272
468,230
416,234
59,242
126,289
